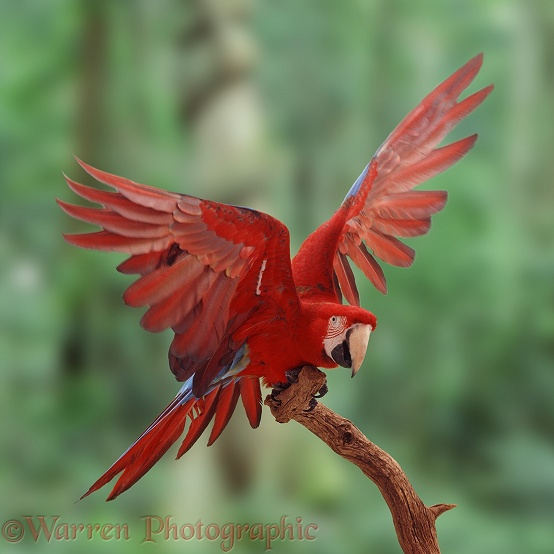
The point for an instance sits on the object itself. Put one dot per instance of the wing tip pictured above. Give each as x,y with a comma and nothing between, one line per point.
97,240
103,176
69,209
93,172
472,66
81,162
382,287
77,239
70,238
477,60
487,90
73,185
469,142
88,168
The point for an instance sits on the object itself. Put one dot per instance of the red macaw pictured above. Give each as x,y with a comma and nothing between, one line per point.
221,276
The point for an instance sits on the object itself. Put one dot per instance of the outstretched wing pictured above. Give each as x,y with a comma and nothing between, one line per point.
382,205
199,264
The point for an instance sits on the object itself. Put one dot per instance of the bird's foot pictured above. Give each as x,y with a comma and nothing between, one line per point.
312,404
322,391
292,377
275,393
278,388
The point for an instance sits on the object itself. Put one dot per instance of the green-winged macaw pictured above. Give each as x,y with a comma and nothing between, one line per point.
221,276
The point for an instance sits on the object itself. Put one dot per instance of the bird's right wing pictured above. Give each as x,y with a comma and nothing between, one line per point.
200,264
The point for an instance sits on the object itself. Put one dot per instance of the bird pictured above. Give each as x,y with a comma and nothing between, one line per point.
244,314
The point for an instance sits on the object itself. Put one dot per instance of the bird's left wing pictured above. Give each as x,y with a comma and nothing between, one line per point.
382,205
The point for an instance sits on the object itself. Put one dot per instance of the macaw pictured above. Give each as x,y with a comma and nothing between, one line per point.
222,279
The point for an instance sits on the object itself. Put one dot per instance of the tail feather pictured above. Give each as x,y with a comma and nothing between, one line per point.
226,405
251,396
160,441
166,429
200,422
147,449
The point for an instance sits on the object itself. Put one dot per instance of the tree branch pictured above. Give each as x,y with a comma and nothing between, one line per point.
414,522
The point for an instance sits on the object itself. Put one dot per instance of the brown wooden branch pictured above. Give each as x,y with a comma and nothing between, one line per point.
414,522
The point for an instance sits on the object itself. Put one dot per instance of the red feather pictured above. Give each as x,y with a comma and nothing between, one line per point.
200,422
410,205
226,404
251,397
346,279
147,449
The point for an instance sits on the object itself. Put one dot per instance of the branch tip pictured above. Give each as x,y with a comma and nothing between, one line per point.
439,509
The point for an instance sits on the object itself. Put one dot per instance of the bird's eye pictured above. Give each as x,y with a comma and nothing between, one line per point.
336,324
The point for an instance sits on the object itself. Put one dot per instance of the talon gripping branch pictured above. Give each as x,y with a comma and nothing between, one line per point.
221,276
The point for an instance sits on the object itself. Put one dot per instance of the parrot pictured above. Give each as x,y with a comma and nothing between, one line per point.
244,315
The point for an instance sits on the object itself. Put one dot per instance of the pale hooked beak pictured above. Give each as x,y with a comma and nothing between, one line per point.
351,351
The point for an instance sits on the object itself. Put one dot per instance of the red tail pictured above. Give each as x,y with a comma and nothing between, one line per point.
170,424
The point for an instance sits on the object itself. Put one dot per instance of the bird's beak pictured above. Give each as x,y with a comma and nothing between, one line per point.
358,340
351,351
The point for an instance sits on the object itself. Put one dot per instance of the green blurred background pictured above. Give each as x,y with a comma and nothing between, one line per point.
279,105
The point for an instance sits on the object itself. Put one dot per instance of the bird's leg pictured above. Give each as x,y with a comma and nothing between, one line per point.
278,388
292,375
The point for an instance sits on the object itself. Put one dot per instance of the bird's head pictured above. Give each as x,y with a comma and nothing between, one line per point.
343,334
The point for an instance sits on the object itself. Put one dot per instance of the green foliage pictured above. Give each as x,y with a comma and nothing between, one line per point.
458,380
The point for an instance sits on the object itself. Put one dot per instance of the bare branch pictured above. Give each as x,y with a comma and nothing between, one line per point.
414,522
